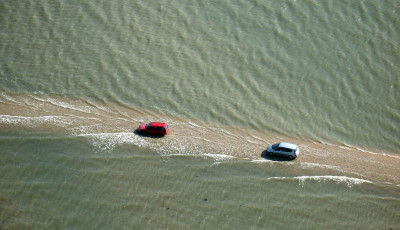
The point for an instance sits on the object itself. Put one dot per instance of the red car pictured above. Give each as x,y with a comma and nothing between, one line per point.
154,128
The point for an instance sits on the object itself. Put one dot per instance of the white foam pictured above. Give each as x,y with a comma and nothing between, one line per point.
35,121
107,141
370,152
80,108
84,109
306,165
178,154
85,129
219,156
374,153
195,125
250,141
260,160
270,162
338,179
8,98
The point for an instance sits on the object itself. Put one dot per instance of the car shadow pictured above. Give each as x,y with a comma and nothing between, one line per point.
265,155
136,132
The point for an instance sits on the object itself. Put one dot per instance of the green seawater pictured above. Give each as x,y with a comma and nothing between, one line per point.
78,77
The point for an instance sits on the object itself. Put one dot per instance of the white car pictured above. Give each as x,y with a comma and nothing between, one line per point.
283,149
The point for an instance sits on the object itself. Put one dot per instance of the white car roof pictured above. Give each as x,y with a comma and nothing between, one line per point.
287,145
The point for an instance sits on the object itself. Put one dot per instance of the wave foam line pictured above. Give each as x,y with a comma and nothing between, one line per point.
381,154
218,156
350,181
33,121
307,165
366,151
65,105
8,98
107,141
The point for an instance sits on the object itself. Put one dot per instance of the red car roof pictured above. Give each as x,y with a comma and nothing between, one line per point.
157,124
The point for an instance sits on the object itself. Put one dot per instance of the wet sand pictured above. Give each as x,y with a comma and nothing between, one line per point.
109,125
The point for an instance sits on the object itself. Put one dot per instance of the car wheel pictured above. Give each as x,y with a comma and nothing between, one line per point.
269,153
290,157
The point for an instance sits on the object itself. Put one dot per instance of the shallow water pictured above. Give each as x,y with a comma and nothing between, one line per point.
65,182
78,77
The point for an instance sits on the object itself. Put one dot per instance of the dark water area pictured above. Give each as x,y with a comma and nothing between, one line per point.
65,182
